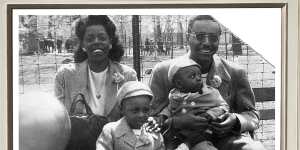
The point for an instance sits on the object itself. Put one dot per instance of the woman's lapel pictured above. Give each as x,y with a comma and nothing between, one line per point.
111,88
81,78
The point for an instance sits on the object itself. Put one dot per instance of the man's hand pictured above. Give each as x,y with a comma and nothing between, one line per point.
228,123
214,113
190,120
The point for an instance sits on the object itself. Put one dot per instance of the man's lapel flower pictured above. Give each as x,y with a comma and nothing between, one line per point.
216,81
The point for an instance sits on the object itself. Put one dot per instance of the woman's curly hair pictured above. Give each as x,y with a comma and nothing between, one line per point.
116,52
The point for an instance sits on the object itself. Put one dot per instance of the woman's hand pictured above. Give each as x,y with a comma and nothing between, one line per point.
190,120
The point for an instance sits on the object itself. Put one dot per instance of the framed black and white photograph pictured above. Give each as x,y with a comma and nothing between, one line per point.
153,76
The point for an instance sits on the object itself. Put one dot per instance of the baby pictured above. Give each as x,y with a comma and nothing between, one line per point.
129,133
191,93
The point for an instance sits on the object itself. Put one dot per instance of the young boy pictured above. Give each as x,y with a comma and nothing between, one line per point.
191,93
129,132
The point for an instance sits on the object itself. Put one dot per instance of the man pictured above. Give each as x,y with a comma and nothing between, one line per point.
233,132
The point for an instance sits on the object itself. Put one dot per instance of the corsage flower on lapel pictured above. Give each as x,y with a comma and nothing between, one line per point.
118,78
216,81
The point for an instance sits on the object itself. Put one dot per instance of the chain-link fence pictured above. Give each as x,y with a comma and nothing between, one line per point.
47,42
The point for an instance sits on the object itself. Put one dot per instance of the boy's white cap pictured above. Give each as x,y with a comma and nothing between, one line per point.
178,64
131,89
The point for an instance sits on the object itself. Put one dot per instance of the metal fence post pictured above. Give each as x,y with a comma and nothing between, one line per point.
136,45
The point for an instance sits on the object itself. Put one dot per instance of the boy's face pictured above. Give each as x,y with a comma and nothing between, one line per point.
188,79
136,110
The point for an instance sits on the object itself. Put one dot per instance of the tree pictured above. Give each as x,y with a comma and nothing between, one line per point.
168,36
158,36
32,39
179,33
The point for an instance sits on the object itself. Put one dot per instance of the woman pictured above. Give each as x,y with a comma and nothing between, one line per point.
97,72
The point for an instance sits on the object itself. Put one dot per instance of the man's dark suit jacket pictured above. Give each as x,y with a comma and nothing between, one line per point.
235,89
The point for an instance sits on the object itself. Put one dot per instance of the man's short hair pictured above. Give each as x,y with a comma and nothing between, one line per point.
202,17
